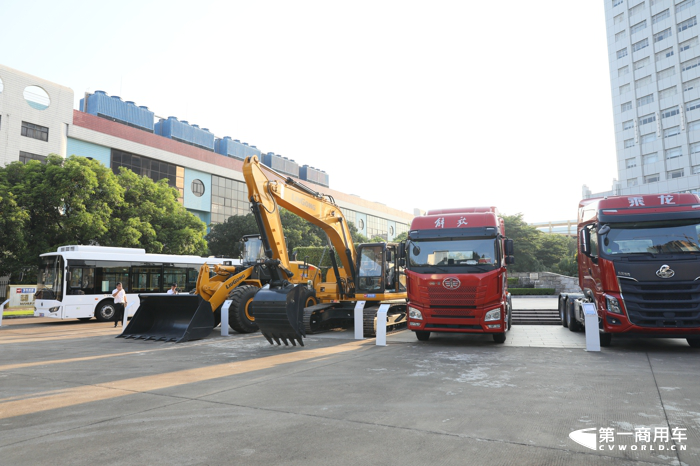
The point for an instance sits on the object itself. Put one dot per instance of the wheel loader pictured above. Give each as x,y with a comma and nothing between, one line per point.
186,317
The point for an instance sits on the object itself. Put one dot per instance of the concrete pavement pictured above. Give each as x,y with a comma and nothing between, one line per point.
71,393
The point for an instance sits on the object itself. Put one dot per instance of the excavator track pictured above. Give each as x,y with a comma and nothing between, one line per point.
395,320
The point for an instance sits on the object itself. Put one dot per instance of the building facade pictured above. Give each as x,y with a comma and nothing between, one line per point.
37,119
654,56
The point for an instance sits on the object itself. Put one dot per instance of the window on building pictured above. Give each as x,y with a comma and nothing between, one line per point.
622,53
696,169
667,73
693,126
688,44
664,54
197,188
687,24
228,198
621,35
629,124
672,131
690,64
31,130
651,178
682,6
650,158
624,88
674,174
692,84
695,148
692,105
638,27
629,143
637,9
640,45
150,168
666,93
647,119
674,152
616,2
660,16
646,100
631,163
645,81
25,157
626,106
619,18
647,138
641,63
377,226
665,34
631,182
623,71
669,112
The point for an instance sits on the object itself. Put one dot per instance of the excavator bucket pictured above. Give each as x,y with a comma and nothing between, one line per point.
175,318
279,312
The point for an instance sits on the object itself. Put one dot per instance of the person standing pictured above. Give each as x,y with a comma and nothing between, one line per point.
173,288
119,296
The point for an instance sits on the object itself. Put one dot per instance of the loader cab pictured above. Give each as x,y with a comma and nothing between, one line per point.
380,269
252,249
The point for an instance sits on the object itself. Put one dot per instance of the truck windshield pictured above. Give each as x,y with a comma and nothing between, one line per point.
668,237
469,255
50,279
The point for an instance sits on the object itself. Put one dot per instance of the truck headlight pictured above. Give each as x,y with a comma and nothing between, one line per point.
414,313
54,309
613,304
494,314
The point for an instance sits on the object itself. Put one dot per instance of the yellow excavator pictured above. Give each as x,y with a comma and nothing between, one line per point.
286,311
186,317
285,299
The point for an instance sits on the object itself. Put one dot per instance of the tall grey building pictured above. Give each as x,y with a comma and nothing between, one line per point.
654,56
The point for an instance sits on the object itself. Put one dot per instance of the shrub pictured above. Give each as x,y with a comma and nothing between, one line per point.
531,291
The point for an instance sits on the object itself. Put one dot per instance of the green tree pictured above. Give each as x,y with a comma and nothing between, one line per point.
525,244
224,238
402,237
13,224
551,249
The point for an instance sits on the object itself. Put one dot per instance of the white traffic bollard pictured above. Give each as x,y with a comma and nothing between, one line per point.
224,318
2,309
359,320
381,324
592,333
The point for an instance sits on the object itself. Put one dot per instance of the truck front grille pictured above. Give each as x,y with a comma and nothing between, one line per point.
661,305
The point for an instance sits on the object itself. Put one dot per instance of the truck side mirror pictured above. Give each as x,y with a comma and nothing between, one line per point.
402,262
584,241
402,249
508,244
510,260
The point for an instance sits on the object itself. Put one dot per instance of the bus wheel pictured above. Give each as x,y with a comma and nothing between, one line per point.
499,337
422,335
105,311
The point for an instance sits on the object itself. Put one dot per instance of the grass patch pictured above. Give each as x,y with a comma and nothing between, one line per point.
531,291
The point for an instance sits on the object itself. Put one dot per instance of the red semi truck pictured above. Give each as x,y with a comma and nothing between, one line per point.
456,276
639,263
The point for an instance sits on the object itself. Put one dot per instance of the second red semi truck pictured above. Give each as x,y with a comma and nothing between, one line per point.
639,263
456,273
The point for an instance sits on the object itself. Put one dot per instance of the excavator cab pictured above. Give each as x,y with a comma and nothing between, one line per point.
380,271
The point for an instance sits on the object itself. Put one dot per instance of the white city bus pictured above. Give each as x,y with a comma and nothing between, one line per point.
76,282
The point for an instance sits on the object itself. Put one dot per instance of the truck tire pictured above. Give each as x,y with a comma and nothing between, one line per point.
104,312
499,337
605,339
562,310
422,335
693,342
571,321
239,316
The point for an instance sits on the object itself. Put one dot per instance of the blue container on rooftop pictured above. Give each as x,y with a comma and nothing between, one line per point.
235,148
184,132
115,109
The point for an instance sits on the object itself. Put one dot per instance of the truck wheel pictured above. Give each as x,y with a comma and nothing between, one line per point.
694,342
571,321
510,317
562,311
499,337
422,335
240,317
605,339
105,311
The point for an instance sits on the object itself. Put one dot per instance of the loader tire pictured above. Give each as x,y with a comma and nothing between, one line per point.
240,317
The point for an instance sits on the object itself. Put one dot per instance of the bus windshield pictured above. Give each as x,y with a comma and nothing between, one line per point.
667,237
50,278
458,256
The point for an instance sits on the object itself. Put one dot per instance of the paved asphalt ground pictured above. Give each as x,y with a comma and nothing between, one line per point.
72,394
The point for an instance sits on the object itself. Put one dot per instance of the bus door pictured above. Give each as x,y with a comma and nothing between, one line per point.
80,285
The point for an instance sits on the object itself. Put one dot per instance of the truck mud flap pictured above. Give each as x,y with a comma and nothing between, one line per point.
175,318
279,312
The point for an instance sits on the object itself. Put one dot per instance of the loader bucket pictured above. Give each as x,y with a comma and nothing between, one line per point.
175,318
279,313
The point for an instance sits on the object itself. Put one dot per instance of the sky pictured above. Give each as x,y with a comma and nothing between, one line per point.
412,104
